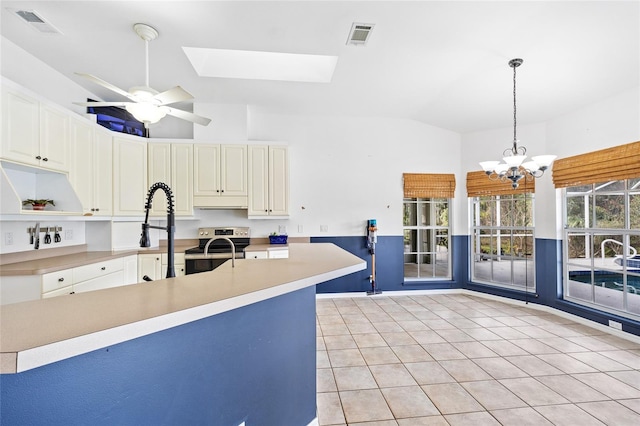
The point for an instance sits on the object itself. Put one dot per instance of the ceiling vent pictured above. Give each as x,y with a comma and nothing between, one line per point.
35,21
360,33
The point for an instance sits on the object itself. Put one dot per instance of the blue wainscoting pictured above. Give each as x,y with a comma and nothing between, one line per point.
255,364
389,266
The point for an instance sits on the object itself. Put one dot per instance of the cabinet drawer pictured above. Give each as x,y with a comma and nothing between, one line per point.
55,280
255,254
59,292
95,270
114,279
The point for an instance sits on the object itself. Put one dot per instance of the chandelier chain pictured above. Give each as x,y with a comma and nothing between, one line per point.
514,110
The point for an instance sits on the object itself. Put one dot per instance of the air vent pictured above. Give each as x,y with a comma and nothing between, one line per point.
360,33
35,21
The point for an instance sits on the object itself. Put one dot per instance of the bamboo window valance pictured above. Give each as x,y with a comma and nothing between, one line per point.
479,185
617,163
429,185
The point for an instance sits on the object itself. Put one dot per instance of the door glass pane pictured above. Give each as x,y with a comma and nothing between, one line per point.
609,211
576,214
410,214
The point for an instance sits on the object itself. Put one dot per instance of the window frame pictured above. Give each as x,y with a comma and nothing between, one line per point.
591,233
432,201
494,231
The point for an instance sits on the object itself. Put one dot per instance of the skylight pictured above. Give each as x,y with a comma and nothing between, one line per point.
255,65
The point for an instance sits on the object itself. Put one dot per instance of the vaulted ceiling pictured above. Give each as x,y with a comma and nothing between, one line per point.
440,62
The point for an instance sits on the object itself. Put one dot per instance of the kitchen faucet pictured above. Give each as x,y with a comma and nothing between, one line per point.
233,249
170,228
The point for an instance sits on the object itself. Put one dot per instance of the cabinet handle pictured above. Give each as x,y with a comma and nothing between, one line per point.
266,211
103,268
93,210
45,159
97,210
73,292
222,190
38,157
60,279
217,190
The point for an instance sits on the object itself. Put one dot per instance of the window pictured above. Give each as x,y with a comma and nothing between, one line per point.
601,244
425,225
502,240
602,228
426,238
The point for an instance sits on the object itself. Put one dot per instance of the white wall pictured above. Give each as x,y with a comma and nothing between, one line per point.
610,122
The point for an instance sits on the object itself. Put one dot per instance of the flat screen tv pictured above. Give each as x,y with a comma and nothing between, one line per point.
118,120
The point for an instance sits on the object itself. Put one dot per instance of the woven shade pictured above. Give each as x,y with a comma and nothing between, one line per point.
617,163
479,185
429,185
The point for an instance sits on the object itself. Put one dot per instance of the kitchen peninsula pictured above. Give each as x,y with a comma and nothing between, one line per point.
233,345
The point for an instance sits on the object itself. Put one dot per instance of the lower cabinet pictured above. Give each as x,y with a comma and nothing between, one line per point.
94,276
154,266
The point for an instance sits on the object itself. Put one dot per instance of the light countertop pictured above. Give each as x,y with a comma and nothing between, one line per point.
43,331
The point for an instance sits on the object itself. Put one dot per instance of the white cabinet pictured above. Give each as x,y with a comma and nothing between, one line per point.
130,269
178,264
172,164
149,265
268,181
129,177
256,254
34,133
90,171
90,277
220,175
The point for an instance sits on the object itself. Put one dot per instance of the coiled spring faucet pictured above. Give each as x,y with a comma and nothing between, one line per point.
170,228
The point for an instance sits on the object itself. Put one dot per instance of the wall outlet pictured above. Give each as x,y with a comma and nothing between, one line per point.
68,234
324,228
615,324
8,238
282,229
300,229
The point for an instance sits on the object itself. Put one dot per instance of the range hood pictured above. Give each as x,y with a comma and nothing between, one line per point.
19,182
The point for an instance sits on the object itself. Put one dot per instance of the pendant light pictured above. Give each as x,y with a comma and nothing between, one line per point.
514,167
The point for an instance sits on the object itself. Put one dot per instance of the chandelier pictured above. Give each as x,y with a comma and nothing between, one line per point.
514,168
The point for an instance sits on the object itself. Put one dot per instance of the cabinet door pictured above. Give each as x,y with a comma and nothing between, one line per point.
278,181
102,173
54,138
129,177
258,180
182,178
206,170
233,170
130,270
81,173
149,265
159,170
20,127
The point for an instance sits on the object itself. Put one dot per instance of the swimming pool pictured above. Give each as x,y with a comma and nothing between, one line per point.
633,262
607,279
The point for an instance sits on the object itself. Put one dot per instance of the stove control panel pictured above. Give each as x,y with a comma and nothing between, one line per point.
223,232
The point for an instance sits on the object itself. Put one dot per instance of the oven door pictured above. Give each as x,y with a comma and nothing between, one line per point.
195,266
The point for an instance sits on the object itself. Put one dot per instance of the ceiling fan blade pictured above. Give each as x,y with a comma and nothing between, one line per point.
189,116
102,104
103,83
177,94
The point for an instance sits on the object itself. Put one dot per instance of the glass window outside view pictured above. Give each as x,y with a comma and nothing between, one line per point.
426,239
602,240
502,246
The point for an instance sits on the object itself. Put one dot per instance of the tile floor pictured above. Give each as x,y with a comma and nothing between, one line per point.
451,359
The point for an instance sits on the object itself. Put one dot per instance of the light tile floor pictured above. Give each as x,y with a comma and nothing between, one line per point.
450,359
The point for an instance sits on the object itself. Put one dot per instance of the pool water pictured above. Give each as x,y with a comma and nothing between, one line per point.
607,280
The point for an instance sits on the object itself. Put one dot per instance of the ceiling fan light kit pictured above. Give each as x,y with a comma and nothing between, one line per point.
514,169
146,104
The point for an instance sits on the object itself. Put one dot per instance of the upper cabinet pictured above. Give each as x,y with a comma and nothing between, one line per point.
129,176
34,133
90,172
220,176
172,163
268,181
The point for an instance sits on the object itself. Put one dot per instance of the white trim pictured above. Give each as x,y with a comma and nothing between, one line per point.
314,422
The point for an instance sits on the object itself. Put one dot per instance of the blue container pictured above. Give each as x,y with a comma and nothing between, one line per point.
277,239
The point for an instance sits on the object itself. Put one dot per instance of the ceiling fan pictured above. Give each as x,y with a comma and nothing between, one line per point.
147,104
